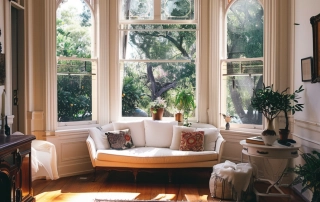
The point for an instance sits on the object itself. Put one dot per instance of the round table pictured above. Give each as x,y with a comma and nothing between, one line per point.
276,151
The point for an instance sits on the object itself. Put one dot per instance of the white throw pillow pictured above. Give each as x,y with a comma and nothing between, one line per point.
136,129
159,133
176,138
99,138
107,127
210,138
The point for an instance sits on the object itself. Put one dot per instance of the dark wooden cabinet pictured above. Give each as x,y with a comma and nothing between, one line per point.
15,168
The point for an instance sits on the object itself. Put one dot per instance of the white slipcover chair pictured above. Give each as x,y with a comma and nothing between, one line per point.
43,159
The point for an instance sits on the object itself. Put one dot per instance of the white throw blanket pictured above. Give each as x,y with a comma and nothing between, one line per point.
237,174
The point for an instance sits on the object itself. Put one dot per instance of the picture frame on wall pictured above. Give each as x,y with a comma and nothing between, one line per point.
306,69
315,23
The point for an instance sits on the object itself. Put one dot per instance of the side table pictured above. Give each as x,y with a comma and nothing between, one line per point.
276,151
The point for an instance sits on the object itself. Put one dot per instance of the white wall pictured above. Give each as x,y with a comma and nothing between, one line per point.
307,122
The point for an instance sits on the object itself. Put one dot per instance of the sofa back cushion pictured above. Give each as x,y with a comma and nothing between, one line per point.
98,136
136,130
210,138
176,138
159,133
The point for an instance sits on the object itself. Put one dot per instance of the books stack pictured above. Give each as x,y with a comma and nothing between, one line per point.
255,140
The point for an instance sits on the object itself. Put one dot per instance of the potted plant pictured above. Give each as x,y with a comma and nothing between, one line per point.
289,104
309,174
228,118
157,108
185,101
268,102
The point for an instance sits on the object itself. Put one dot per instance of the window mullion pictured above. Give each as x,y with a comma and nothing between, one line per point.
157,9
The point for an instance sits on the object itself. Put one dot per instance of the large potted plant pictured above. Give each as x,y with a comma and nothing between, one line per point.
268,102
185,100
289,104
309,174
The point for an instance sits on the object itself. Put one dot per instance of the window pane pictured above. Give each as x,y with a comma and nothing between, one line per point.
243,67
73,26
160,42
74,88
239,91
245,29
143,82
177,9
137,10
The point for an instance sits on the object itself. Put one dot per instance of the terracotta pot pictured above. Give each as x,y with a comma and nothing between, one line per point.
178,117
158,115
283,134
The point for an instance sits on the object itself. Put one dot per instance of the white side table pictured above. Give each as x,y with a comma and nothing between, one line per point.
276,151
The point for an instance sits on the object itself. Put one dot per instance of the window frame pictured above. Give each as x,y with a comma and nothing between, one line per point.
157,20
225,59
94,59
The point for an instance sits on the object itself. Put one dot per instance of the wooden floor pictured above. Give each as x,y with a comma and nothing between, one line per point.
186,185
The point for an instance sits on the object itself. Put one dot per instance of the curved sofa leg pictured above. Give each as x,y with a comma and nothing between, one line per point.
135,173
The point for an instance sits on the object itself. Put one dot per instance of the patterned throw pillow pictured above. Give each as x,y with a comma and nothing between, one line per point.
120,139
192,141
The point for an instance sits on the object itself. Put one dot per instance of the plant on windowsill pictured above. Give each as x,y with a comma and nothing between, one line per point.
227,119
289,104
308,174
185,101
157,108
268,102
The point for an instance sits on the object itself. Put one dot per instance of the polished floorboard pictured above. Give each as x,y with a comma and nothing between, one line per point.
186,185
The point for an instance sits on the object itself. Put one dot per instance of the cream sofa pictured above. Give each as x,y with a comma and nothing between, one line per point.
156,146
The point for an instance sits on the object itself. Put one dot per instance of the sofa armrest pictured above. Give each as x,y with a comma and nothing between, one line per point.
92,150
219,146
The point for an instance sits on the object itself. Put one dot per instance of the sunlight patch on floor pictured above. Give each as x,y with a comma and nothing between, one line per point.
164,197
57,196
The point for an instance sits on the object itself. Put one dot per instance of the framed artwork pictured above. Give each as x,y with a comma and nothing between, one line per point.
306,69
315,22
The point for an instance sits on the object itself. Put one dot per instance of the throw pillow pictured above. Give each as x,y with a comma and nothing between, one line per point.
120,139
136,130
100,140
159,133
176,138
210,138
192,141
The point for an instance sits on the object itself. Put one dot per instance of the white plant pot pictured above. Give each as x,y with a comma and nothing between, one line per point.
269,139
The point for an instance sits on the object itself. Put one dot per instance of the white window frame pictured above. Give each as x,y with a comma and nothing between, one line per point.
157,20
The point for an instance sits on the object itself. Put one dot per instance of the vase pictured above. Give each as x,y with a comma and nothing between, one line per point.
269,134
158,115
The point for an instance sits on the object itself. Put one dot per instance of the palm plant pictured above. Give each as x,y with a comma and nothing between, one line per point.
309,174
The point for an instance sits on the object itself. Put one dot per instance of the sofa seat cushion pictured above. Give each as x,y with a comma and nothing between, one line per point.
155,155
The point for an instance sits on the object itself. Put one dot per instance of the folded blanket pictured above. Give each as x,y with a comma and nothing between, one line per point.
237,174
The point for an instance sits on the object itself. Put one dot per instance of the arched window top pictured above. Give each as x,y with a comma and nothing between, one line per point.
230,2
244,20
90,3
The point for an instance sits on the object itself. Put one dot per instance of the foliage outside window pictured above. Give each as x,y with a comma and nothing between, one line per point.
242,70
157,58
75,68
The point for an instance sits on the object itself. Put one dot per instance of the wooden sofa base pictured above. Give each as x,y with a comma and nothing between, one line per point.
150,170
